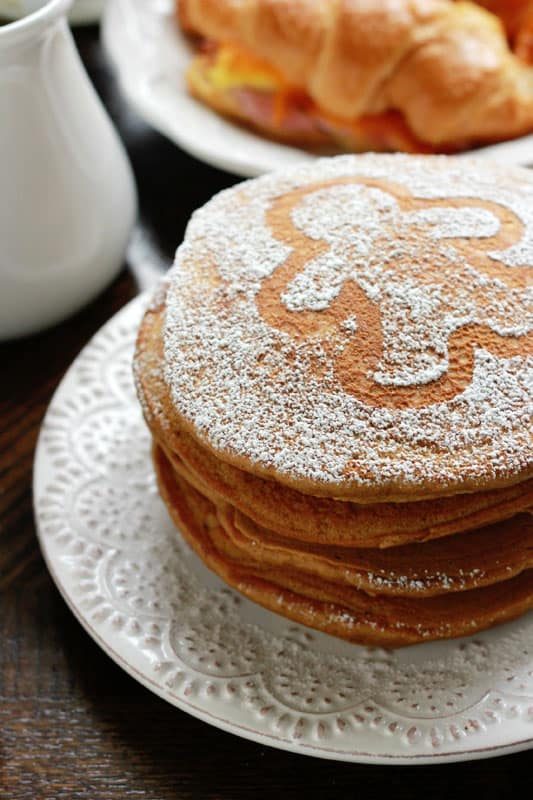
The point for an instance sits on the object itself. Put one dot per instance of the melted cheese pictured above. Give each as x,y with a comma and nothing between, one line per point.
232,67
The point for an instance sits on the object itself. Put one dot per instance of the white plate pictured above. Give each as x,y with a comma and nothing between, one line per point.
159,613
151,57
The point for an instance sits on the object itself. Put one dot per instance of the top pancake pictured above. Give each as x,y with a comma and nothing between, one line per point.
360,328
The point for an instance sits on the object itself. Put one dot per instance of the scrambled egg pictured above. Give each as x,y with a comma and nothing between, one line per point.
234,67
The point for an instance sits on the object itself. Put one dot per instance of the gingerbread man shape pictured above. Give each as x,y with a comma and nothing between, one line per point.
400,304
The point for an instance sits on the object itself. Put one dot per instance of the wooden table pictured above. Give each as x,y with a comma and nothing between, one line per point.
72,724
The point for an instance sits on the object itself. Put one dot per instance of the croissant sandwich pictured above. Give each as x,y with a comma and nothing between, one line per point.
411,75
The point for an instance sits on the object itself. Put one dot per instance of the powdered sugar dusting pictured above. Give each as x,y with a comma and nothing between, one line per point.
448,223
254,390
442,581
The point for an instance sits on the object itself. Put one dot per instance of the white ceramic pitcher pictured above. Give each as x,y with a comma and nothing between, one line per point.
67,196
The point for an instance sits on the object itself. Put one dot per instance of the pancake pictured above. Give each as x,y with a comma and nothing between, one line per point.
346,612
479,558
337,375
356,337
323,520
292,513
484,556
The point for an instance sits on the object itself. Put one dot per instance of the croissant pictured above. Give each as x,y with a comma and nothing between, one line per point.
413,75
517,17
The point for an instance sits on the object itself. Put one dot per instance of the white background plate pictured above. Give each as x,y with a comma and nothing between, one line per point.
154,608
151,57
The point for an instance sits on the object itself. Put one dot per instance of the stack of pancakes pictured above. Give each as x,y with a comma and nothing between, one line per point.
337,374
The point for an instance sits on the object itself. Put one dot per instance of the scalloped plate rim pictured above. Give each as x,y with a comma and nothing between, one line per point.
356,757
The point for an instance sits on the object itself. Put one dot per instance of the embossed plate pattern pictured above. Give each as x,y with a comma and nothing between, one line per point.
154,608
151,56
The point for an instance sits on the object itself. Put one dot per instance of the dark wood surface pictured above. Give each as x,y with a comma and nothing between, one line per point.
72,724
